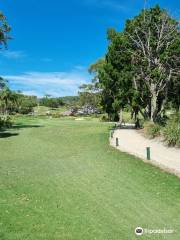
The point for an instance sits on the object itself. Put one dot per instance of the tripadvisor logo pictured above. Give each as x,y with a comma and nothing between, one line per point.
139,231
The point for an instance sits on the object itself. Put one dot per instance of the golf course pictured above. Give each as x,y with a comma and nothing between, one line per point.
60,180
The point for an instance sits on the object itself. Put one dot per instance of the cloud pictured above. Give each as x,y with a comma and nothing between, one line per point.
53,83
46,60
31,93
110,4
80,67
13,54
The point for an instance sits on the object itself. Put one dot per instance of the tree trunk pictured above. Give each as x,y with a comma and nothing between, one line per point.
154,106
121,115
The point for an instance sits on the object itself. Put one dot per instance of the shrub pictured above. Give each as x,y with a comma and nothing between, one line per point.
56,115
5,122
171,131
104,118
152,130
162,120
25,110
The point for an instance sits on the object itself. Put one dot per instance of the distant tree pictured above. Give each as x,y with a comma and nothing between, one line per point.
24,104
51,102
2,83
89,96
70,100
7,100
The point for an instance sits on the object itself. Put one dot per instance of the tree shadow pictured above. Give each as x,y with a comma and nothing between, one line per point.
126,127
21,126
4,133
123,126
8,134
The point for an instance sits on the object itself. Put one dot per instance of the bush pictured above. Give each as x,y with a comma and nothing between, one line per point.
104,118
25,110
162,120
5,122
171,131
56,115
152,130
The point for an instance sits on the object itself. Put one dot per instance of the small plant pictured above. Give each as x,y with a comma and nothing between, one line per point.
152,130
104,118
5,122
171,131
56,115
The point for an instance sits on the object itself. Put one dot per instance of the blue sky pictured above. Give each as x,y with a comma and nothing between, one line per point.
55,41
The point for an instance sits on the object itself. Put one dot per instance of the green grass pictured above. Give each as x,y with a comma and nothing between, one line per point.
60,180
42,110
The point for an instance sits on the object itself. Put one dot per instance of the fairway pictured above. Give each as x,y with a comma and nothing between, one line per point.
60,180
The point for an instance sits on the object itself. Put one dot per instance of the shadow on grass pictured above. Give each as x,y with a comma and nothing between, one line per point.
7,134
20,126
4,133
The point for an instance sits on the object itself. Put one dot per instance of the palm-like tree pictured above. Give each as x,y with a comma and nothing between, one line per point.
4,29
7,99
2,83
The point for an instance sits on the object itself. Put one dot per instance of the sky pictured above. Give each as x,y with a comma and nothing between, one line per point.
54,41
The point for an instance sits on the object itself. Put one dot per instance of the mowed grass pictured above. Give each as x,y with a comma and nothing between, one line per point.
60,179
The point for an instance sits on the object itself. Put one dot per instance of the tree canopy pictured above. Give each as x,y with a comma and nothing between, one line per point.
4,37
141,67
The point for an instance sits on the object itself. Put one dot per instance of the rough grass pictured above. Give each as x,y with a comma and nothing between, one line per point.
60,179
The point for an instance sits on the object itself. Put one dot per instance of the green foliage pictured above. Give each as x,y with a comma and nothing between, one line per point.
152,130
141,66
4,30
7,100
90,96
13,102
70,100
24,104
2,83
51,102
171,131
5,122
104,118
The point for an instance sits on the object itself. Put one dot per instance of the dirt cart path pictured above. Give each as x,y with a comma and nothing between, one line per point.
134,143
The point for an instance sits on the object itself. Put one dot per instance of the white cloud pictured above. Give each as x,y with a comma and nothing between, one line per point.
111,4
13,54
53,83
46,60
32,93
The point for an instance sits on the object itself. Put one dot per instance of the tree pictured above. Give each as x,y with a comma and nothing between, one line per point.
154,36
7,100
4,37
24,104
2,83
51,102
4,30
141,66
103,81
89,96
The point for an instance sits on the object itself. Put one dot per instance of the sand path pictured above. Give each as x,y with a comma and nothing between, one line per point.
131,141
